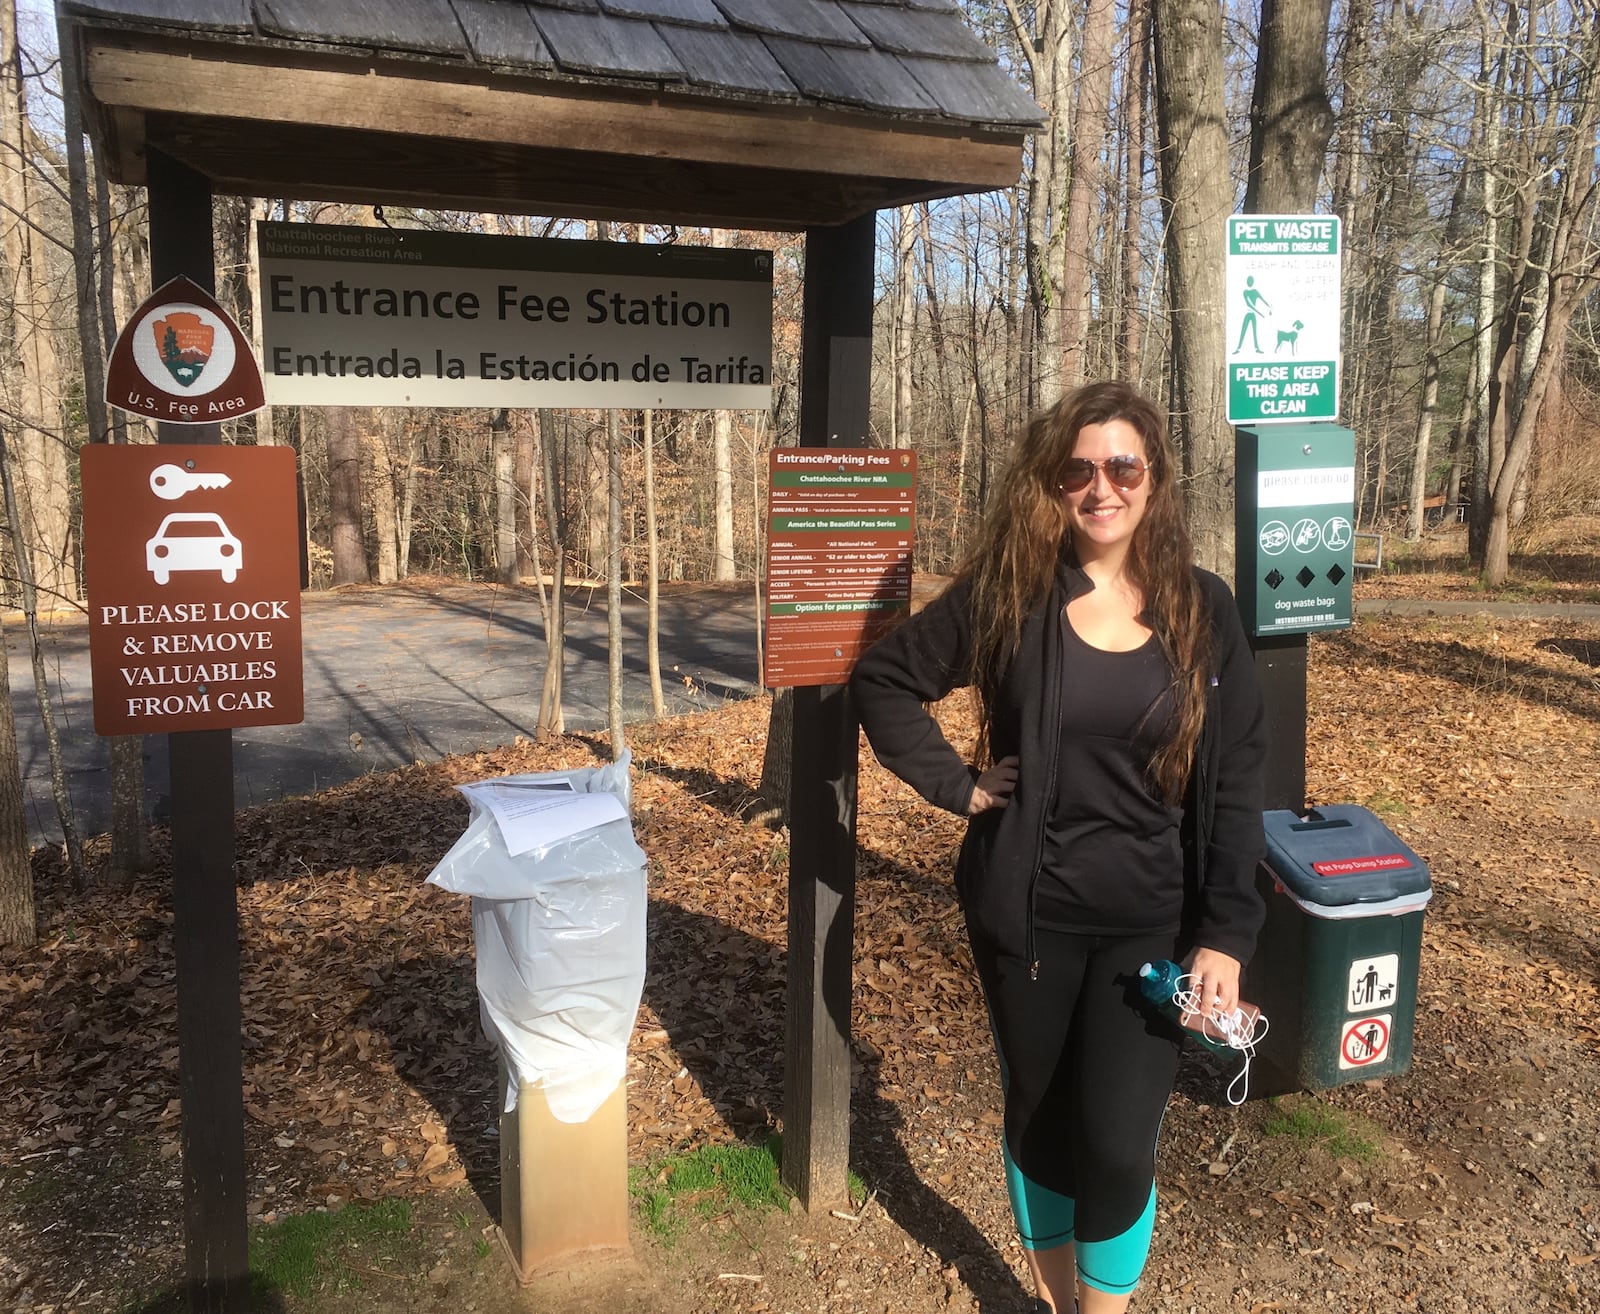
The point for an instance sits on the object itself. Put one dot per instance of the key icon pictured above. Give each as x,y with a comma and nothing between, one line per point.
173,481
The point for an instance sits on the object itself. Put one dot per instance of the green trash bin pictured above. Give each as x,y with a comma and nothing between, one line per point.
1336,965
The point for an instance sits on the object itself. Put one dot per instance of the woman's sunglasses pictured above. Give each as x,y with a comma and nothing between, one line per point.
1124,472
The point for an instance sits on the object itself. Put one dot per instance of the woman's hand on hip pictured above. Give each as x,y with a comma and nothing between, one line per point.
1216,980
993,787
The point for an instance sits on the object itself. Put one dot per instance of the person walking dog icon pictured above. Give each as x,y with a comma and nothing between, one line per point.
1252,300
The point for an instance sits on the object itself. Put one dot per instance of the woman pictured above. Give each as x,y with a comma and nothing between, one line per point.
1118,820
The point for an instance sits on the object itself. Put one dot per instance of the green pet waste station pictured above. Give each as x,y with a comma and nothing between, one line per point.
1336,965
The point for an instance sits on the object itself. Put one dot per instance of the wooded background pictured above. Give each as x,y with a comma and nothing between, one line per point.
1458,140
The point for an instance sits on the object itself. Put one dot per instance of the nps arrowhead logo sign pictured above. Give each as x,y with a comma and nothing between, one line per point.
182,359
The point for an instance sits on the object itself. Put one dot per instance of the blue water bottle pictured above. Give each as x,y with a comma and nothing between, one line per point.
1158,982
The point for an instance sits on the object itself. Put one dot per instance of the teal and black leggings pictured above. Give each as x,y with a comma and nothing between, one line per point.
1087,1072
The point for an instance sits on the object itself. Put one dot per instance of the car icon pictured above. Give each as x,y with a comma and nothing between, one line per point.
193,540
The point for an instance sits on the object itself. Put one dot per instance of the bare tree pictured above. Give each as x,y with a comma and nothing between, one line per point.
344,498
1086,191
24,239
619,740
552,719
18,926
1196,198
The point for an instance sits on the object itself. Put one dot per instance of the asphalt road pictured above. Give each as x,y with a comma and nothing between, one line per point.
394,676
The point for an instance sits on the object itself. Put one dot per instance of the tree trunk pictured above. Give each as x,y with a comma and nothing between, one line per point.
41,683
106,285
266,434
1048,52
1197,196
1291,117
1086,190
385,515
552,719
130,845
524,478
902,326
1130,355
722,559
344,498
777,762
503,447
1416,515
41,449
652,556
18,925
619,742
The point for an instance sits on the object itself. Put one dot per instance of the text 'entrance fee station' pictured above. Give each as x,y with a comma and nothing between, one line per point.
193,573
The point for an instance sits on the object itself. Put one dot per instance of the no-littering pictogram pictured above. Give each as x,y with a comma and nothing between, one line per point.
1365,1042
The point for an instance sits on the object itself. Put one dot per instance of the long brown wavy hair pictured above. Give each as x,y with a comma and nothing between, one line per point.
1013,559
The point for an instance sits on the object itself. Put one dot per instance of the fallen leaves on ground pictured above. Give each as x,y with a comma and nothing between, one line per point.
366,1074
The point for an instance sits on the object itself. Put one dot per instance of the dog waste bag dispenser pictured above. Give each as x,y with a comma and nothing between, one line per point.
1337,961
558,919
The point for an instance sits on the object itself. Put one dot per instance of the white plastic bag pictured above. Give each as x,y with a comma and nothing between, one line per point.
560,937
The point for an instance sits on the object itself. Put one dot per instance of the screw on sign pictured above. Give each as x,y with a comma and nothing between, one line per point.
1364,1042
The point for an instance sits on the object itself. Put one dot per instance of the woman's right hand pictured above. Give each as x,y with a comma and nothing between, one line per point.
993,787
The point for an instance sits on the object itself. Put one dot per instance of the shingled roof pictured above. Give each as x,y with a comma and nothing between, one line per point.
758,113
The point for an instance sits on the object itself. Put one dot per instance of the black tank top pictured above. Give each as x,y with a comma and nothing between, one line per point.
1113,859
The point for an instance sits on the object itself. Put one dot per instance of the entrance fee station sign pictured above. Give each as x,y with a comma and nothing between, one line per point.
404,317
1294,524
840,525
1283,318
193,574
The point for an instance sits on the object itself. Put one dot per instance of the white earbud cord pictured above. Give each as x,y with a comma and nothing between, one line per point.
1232,1027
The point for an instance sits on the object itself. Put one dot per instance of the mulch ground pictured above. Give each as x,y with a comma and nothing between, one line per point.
367,1077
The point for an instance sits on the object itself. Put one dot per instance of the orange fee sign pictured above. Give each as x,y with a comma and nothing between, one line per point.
191,557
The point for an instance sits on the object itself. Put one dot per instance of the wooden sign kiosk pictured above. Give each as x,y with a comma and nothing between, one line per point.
728,113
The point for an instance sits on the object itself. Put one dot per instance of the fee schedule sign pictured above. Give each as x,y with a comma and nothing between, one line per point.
840,525
1283,318
405,317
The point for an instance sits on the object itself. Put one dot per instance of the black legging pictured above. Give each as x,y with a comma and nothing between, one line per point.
1087,1073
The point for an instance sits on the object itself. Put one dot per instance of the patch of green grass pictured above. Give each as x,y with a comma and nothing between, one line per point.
707,1181
306,1254
39,1188
1391,807
1312,1122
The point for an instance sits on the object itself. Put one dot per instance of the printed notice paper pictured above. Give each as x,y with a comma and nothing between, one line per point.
533,813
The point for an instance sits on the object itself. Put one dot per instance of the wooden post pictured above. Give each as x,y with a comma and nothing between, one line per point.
836,367
1281,664
205,932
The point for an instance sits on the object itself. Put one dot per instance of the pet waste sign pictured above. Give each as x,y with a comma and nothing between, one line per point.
192,564
1282,278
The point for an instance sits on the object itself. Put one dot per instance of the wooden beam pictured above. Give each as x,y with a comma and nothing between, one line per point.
473,110
205,924
836,356
292,161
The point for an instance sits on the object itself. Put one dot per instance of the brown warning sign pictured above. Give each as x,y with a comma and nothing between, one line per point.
182,359
840,526
192,564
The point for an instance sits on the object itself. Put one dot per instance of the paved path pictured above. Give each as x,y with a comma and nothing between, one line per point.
399,675
1573,611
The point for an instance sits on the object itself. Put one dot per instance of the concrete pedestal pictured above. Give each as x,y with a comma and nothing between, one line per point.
563,1186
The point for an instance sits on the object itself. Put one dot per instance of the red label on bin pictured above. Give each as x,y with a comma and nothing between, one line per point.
1354,866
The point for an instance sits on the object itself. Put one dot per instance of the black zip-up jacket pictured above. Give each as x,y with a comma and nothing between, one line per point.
930,655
